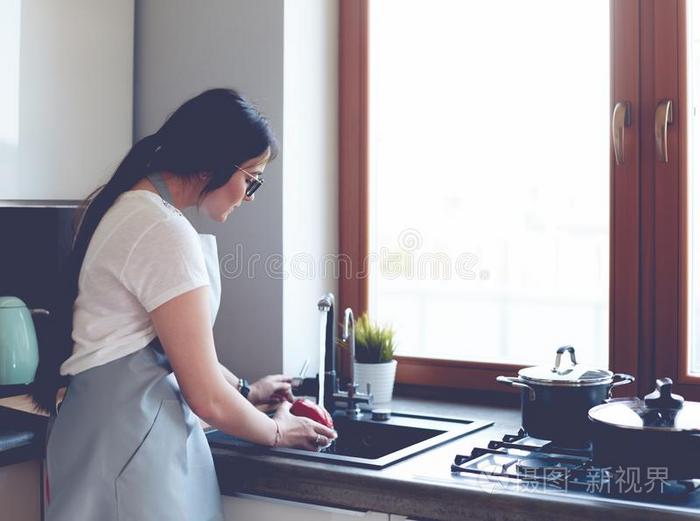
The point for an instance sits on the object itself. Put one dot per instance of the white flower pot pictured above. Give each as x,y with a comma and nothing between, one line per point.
381,379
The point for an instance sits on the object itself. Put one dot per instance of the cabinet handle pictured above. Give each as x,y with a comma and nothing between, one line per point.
664,116
621,118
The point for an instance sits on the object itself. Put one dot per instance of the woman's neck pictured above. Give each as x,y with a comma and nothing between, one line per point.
185,194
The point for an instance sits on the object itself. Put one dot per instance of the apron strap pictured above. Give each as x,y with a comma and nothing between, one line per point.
157,179
162,357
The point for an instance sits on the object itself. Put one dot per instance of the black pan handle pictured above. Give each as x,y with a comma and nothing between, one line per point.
662,398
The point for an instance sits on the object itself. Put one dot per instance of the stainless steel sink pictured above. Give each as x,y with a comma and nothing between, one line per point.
367,443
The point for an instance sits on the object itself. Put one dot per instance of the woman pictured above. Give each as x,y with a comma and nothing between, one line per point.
143,291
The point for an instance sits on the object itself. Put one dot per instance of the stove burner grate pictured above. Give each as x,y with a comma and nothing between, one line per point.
544,464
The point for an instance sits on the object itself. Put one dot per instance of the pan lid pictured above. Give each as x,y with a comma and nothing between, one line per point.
661,410
569,375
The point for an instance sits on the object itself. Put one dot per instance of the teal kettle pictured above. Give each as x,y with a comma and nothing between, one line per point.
19,352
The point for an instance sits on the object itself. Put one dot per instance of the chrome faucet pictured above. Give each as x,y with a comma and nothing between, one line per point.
349,339
327,384
351,396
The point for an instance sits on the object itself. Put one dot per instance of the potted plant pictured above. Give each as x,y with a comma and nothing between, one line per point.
374,359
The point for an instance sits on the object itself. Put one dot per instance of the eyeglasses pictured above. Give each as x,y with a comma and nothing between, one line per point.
253,185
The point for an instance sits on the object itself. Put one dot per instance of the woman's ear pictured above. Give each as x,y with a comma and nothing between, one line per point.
204,175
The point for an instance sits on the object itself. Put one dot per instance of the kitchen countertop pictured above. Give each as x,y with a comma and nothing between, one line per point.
21,435
22,430
419,487
423,486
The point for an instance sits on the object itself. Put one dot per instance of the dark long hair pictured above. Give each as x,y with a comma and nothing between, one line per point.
210,133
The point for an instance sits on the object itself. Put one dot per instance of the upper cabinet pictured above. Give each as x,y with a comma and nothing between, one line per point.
65,97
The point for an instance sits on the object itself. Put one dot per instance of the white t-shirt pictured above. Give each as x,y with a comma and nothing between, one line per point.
143,253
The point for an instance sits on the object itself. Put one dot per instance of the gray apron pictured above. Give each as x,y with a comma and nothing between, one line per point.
125,446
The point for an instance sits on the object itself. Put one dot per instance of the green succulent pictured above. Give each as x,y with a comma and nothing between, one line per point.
373,344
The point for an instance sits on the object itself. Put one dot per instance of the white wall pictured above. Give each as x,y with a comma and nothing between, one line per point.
66,74
185,47
310,196
282,56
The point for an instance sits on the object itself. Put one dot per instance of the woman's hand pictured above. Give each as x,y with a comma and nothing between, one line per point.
300,432
271,389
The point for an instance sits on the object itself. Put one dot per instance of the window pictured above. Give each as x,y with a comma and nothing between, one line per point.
489,177
480,195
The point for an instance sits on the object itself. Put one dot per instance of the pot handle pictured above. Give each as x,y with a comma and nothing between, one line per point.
557,360
514,381
620,379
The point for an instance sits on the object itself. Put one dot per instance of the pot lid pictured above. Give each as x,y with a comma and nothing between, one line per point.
660,410
11,302
572,374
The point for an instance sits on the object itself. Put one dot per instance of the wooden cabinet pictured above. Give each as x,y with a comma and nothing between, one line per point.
245,506
20,491
66,104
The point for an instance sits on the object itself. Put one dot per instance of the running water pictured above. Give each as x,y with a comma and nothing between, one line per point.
322,356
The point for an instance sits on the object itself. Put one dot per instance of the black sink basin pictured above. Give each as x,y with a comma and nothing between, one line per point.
367,443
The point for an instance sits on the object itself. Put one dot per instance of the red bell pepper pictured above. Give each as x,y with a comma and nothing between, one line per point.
302,407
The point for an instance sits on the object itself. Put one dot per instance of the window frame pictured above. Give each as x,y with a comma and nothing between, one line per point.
666,187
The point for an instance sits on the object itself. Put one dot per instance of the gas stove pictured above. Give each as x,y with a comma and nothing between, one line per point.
530,464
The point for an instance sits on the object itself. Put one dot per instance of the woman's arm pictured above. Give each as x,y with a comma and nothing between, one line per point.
183,325
231,378
184,328
269,390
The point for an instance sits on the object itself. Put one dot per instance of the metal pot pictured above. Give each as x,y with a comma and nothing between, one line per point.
555,400
660,433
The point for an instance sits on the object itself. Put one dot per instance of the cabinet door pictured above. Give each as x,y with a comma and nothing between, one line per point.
247,506
66,98
20,491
